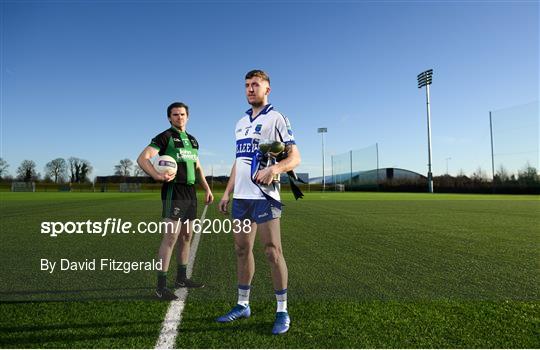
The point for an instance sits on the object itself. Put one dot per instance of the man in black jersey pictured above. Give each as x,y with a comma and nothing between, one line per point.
177,193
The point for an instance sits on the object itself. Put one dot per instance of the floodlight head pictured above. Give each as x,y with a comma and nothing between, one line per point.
425,78
322,130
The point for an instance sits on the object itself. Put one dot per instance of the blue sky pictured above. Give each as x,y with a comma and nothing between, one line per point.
92,79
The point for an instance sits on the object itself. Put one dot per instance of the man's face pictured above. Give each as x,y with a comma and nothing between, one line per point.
179,118
257,91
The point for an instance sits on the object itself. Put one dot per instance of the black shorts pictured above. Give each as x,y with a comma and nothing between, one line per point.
179,201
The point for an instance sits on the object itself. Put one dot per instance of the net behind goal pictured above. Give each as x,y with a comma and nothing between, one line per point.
19,186
356,168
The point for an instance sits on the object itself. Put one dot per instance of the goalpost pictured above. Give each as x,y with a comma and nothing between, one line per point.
20,186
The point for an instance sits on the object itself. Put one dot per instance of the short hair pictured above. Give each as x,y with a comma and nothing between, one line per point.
258,73
177,105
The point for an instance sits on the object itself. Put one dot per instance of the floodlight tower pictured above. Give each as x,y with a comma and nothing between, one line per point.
424,79
322,131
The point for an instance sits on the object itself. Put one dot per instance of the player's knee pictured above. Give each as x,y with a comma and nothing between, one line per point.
242,251
169,240
186,236
273,253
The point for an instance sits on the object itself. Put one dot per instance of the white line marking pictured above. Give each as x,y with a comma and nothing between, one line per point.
173,317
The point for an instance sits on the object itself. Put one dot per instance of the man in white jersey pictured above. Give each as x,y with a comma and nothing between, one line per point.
256,197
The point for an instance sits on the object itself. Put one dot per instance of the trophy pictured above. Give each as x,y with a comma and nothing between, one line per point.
271,150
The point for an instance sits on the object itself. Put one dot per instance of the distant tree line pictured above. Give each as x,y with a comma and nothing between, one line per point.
126,167
76,170
60,170
526,181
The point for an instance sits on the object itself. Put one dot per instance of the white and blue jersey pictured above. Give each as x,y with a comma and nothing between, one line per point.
269,124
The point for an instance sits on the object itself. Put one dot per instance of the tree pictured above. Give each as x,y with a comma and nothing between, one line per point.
85,171
27,171
137,171
3,167
56,169
124,168
528,174
74,169
79,169
479,175
502,174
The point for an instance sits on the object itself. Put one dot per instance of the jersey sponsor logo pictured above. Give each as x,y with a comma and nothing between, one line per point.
185,155
246,147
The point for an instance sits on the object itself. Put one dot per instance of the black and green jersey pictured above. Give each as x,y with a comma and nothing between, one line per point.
181,146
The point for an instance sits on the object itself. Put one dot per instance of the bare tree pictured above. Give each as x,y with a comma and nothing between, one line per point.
479,175
79,169
56,169
124,168
528,174
502,174
74,169
27,170
3,167
86,169
137,171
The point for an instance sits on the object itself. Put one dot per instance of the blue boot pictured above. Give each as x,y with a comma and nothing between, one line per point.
237,312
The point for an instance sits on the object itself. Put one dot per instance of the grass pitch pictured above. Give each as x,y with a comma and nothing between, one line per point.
365,270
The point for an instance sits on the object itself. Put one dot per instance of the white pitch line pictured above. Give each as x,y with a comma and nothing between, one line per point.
173,317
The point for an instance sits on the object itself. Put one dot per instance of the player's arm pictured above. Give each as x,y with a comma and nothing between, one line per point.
292,161
144,162
265,176
209,197
224,202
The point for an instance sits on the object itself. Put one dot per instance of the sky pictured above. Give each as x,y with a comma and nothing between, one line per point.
93,79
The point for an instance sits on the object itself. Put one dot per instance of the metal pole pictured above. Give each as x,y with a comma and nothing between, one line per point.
350,154
323,180
492,155
332,167
430,175
377,149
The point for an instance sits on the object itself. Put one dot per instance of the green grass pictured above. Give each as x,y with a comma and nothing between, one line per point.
365,270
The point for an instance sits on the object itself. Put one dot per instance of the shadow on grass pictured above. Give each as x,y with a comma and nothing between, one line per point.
202,325
31,296
65,338
64,326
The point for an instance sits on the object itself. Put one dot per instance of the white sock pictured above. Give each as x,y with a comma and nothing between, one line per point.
281,297
243,295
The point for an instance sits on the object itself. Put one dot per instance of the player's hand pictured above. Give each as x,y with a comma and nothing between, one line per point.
164,177
209,197
223,204
265,176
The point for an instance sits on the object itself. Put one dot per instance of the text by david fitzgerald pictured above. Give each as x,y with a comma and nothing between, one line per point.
100,265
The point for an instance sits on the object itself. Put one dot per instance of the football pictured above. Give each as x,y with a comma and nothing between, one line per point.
165,164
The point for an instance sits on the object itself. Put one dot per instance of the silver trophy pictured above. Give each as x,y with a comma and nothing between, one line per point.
271,150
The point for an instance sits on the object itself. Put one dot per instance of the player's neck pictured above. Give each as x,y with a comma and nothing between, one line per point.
179,129
257,109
